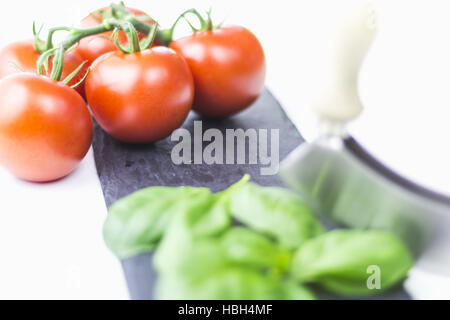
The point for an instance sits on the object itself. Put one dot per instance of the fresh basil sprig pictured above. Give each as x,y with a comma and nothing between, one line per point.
279,249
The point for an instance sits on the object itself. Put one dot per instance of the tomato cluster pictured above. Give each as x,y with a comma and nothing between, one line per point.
139,84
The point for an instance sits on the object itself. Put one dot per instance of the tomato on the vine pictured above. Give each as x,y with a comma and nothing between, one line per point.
90,48
45,127
21,56
228,65
140,97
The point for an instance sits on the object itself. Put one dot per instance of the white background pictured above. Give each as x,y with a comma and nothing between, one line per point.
50,235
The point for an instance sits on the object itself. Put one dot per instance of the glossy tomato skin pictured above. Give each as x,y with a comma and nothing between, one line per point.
90,48
140,97
228,65
22,54
45,127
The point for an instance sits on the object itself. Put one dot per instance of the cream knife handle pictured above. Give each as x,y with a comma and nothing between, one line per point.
337,99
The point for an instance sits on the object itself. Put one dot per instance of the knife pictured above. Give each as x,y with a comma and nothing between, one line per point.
341,181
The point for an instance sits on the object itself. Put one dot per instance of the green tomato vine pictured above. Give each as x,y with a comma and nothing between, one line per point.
116,19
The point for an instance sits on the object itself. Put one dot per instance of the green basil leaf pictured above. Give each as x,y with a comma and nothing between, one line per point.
231,283
275,211
231,266
181,251
186,243
294,291
194,224
192,258
342,261
211,219
137,223
247,247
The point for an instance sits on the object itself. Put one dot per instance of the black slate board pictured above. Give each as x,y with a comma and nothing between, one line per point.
124,168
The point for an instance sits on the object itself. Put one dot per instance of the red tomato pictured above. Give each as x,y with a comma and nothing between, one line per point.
228,66
45,127
140,97
25,57
90,48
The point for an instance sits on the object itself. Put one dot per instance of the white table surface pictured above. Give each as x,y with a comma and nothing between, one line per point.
50,235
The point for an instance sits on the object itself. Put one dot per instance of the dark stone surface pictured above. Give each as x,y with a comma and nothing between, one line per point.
124,168
140,276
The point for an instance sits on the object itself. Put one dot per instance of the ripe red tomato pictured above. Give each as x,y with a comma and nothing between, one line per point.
228,66
45,127
140,97
90,48
23,55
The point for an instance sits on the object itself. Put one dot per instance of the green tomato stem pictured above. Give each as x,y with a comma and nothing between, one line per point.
165,36
75,35
202,21
51,32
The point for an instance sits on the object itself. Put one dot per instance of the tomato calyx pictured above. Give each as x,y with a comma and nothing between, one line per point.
38,43
74,73
58,64
206,23
120,11
134,45
209,23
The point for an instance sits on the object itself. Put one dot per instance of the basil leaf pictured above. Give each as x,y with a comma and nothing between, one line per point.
339,261
231,283
294,291
195,223
247,247
136,224
190,258
211,219
275,211
185,244
214,216
232,265
181,251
